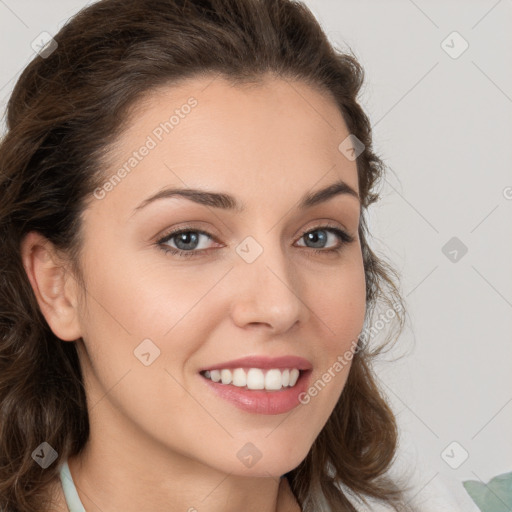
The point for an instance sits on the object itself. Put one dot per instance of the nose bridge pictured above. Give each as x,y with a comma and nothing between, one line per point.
267,282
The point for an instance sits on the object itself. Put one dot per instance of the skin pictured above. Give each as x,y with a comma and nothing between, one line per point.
160,440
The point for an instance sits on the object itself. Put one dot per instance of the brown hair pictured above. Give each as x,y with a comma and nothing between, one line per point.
64,113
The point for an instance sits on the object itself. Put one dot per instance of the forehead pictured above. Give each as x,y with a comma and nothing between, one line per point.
273,110
274,134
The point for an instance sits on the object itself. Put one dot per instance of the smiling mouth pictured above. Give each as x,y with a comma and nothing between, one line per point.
272,379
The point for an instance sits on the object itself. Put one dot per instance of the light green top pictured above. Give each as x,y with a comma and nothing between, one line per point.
70,493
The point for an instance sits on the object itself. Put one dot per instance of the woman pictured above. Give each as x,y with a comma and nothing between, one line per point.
187,289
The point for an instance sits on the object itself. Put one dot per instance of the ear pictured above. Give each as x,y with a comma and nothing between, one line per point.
54,286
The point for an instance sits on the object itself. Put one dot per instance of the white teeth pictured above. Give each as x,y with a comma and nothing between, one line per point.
294,375
239,378
255,378
273,380
226,376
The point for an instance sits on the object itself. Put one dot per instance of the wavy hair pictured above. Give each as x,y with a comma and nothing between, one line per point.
67,108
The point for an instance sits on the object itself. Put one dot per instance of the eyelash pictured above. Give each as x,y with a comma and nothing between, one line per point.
343,236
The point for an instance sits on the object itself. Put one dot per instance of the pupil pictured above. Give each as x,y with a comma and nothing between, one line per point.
316,239
187,238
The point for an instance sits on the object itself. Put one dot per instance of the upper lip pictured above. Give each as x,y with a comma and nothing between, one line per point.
263,362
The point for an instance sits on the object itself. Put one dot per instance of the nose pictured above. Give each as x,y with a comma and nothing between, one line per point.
268,293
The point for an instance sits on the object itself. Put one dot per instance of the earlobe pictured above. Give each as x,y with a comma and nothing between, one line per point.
54,287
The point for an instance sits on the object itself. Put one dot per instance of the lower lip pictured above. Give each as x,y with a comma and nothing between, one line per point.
262,401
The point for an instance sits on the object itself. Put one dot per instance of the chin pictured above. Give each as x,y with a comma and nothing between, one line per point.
251,462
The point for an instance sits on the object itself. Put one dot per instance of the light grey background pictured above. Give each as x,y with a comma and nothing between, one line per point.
443,126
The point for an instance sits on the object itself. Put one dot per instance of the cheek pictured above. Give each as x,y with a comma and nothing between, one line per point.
131,311
340,306
339,300
130,301
145,299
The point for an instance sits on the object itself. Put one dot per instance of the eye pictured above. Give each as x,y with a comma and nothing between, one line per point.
188,242
319,238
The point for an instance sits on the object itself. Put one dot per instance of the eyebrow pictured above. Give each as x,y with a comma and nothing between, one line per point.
228,202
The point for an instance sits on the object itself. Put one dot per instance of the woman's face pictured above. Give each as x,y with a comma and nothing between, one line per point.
250,280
